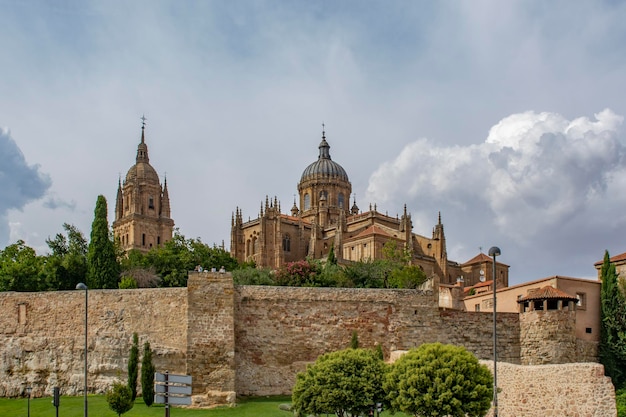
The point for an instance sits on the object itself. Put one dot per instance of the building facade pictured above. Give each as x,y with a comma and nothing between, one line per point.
142,207
322,218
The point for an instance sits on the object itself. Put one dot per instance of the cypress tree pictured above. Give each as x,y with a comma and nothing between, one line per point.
147,375
354,342
103,269
133,366
612,349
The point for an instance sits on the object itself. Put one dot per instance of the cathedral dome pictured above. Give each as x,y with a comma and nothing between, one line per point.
142,171
324,166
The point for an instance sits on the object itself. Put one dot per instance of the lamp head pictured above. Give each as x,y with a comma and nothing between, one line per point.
494,251
81,286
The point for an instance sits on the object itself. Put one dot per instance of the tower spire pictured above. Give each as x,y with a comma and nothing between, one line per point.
142,149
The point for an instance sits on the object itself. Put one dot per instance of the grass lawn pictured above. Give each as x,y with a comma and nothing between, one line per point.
98,407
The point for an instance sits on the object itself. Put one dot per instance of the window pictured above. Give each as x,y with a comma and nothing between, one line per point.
286,243
581,304
307,201
340,200
143,239
151,202
588,330
158,240
476,307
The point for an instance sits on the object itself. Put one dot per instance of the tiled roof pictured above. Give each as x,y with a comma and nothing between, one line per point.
616,258
481,257
547,293
479,285
373,230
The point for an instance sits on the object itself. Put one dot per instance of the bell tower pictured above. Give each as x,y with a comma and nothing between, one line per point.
142,207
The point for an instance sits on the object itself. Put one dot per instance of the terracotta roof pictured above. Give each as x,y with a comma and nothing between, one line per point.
292,218
616,258
547,293
481,257
373,230
479,285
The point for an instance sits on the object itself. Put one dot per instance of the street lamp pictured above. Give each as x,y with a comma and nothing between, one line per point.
28,390
82,286
495,251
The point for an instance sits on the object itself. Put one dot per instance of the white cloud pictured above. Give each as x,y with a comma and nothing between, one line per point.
537,177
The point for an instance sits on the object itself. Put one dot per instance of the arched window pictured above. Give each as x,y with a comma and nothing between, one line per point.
340,200
151,202
286,243
307,201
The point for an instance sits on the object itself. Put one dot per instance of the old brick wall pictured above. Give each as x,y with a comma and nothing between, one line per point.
42,336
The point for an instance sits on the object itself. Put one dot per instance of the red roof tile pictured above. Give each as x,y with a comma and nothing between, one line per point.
616,258
546,293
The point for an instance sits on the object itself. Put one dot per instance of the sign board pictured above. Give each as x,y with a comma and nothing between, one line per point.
173,389
160,399
172,378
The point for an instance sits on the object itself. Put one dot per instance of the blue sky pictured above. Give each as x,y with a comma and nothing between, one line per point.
505,116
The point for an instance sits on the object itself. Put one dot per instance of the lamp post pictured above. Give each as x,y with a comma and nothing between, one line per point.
82,286
28,391
493,252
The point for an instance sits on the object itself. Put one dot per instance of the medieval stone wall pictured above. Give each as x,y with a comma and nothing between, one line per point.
42,337
278,330
565,390
549,337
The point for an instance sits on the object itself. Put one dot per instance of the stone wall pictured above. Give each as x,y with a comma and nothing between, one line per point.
548,337
474,331
42,337
278,330
211,338
565,390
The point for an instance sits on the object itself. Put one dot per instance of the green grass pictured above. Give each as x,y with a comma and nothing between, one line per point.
98,407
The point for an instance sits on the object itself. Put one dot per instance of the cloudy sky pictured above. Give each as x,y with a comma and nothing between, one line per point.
506,117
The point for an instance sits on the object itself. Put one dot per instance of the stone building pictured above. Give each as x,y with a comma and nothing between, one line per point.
142,208
322,219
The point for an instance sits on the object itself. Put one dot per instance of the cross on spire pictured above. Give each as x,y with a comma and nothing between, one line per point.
143,121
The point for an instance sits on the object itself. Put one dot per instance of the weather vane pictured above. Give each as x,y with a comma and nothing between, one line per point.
143,121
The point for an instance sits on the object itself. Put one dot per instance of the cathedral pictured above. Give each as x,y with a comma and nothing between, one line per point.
142,207
322,219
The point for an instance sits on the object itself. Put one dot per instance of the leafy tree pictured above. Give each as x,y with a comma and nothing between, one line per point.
147,375
20,268
612,349
620,401
173,260
299,274
253,276
346,383
119,398
66,265
133,366
379,352
332,259
439,380
127,283
408,276
103,269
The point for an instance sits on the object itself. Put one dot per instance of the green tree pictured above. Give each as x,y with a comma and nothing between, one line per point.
439,380
620,401
612,349
133,366
147,375
103,269
253,276
20,268
346,383
127,283
66,265
119,398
